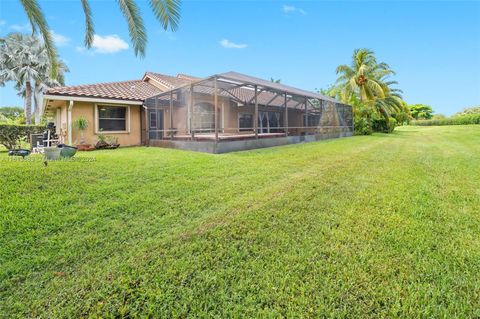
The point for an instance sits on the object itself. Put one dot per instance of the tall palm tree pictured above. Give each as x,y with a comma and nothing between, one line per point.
166,11
43,81
16,64
363,77
367,81
24,60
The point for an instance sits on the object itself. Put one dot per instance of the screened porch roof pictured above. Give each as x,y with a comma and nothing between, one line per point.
240,87
261,83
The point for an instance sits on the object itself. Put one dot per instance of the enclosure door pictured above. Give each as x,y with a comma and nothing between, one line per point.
155,124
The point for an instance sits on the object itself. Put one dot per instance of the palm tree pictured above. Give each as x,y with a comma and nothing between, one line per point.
367,81
43,81
166,11
363,77
24,60
17,65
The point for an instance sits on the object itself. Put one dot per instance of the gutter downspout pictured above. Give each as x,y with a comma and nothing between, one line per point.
69,121
147,132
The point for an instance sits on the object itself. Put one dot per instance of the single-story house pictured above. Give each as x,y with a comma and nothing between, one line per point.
221,113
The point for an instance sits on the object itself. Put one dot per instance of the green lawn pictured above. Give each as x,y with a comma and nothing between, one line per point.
370,226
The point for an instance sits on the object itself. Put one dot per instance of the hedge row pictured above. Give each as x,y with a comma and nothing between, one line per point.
455,120
13,135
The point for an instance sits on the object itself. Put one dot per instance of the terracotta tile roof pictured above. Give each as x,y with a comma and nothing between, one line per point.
169,81
188,77
136,90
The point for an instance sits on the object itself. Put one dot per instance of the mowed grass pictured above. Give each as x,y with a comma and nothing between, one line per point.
372,226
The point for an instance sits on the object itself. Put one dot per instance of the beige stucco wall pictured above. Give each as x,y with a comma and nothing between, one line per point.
87,110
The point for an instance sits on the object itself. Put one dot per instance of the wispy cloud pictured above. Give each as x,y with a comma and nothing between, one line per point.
291,9
107,44
21,27
231,45
3,22
59,39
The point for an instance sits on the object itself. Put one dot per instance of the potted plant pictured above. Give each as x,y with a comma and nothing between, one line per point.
81,124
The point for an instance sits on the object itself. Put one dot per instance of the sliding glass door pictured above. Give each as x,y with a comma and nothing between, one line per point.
269,122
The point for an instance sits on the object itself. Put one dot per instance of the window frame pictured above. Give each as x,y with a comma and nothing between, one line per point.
246,129
97,118
198,117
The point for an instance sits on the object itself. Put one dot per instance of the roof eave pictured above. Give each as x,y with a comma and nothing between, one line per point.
84,98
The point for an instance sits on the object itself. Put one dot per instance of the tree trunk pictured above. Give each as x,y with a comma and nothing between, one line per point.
36,103
28,102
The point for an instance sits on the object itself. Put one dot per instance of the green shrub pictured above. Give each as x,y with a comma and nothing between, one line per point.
391,124
362,126
455,120
13,135
384,126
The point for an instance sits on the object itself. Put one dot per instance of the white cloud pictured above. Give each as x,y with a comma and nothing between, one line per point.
3,22
108,44
21,27
231,45
291,9
59,39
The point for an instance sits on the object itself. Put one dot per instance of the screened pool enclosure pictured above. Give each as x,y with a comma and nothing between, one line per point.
231,111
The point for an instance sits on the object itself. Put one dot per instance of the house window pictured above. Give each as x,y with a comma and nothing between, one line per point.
112,118
153,120
313,120
203,117
245,122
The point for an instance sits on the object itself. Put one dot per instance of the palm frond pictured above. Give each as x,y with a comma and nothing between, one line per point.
136,27
89,27
376,88
37,19
343,69
167,12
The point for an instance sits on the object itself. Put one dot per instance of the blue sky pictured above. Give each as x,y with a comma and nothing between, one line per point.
433,46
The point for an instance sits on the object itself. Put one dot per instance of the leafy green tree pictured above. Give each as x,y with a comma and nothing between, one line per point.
166,11
24,60
421,111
